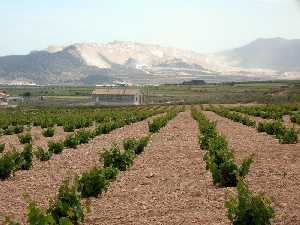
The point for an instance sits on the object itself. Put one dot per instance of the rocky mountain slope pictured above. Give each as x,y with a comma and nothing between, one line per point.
43,67
91,63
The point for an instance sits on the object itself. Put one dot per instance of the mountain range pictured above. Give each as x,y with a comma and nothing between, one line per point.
136,63
277,54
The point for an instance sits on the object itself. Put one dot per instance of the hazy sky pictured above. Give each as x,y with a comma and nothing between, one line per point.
200,25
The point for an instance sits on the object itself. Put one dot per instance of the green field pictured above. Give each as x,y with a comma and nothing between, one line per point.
248,92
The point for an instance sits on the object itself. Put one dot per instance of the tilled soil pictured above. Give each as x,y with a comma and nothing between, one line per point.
276,167
38,140
286,121
168,184
42,181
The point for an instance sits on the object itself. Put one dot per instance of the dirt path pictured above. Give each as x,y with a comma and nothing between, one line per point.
276,170
168,184
43,180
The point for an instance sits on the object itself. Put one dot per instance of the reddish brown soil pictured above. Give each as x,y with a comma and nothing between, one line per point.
276,170
42,181
38,140
168,184
286,121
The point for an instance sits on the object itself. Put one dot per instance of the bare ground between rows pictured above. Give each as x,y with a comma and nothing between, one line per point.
168,184
38,140
276,167
42,181
286,121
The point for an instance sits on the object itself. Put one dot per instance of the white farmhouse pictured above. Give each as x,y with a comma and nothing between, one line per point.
3,98
117,96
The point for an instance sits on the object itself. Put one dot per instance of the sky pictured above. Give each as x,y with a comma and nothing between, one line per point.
204,26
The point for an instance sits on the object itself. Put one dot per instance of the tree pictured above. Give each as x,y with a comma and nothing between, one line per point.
26,94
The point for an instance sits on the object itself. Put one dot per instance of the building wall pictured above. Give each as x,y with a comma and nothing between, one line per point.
118,99
3,101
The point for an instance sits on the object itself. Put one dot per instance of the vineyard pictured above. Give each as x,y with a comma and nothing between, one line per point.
200,164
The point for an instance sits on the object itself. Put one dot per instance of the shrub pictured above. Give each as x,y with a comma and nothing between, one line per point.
49,132
26,158
110,173
289,136
267,111
93,134
25,138
135,146
107,127
236,117
130,144
37,216
261,127
62,211
69,126
285,135
9,130
225,174
219,159
67,204
95,181
92,183
249,209
273,128
18,129
157,124
45,122
116,159
2,147
55,147
160,122
141,145
83,136
208,132
82,122
245,167
71,141
7,166
293,119
42,155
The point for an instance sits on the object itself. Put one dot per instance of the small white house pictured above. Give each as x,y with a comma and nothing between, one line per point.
117,96
3,98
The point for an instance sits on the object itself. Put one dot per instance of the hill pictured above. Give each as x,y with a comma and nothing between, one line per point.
277,54
136,63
